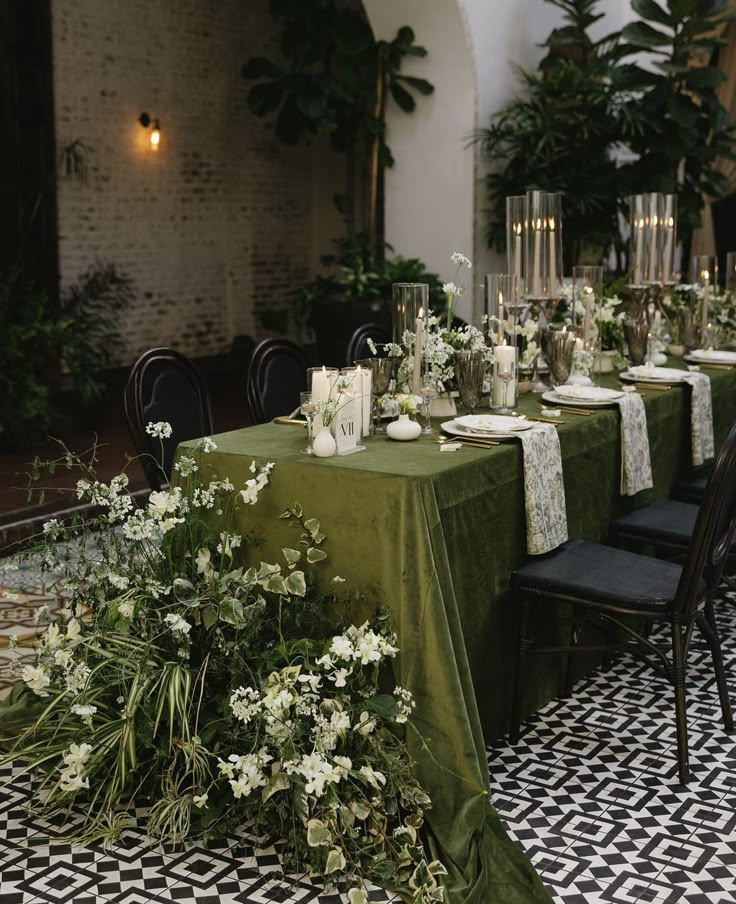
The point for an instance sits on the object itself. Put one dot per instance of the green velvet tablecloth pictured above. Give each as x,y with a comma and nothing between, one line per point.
436,536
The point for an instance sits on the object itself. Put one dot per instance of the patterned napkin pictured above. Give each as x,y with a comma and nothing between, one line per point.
636,463
701,417
544,491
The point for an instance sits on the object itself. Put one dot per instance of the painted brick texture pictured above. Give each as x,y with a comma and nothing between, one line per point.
220,222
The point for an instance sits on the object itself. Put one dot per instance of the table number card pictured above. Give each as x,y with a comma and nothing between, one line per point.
348,424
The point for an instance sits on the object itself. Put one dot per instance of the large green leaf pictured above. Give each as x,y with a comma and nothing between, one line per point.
311,101
652,11
260,67
402,97
642,35
418,84
265,98
704,77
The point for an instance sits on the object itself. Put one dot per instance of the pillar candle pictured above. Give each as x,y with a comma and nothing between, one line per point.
517,250
653,233
505,357
638,249
323,382
536,272
669,236
416,383
499,335
552,259
366,394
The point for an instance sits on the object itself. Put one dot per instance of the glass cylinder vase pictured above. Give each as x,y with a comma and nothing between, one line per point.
535,257
408,299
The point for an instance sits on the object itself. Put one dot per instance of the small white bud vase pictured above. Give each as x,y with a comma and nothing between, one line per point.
324,443
404,429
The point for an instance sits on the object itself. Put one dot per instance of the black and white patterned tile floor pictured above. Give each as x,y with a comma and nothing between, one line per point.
590,793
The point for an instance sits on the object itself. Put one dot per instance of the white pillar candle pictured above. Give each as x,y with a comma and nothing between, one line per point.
517,250
704,312
669,237
505,357
587,316
323,382
416,383
552,259
653,234
638,250
536,272
579,344
499,334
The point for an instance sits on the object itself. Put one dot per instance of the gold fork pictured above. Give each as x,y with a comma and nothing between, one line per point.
479,444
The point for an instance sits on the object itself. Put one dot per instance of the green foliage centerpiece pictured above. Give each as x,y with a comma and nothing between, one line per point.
223,692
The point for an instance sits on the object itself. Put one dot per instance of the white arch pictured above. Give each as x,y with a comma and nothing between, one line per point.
435,198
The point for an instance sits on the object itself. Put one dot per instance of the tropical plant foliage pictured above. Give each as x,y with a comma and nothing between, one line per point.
598,127
226,691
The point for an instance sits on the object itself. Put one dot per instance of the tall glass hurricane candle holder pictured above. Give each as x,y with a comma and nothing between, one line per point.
704,273
535,216
553,221
638,214
668,227
731,271
587,293
409,299
515,235
381,371
321,382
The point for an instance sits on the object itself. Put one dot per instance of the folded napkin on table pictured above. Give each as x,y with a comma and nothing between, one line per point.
701,418
636,462
544,491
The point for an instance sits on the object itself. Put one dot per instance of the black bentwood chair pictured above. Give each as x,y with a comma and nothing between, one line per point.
358,346
692,489
276,376
164,386
605,585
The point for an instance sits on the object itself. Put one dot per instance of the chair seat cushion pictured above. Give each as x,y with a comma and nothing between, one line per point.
692,489
597,573
663,519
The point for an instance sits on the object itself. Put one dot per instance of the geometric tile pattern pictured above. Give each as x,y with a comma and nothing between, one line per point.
589,792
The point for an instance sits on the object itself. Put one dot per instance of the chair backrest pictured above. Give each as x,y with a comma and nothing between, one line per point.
276,376
164,386
358,346
714,528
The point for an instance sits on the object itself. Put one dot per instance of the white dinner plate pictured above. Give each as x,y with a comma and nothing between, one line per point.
454,429
559,401
653,375
481,424
576,393
704,355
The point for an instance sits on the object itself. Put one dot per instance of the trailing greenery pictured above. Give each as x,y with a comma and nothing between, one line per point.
39,339
228,692
598,127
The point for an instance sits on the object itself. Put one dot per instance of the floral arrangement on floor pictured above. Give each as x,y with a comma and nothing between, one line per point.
225,692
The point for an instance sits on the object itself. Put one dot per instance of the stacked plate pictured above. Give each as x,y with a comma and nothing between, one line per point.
648,373
711,356
486,426
585,396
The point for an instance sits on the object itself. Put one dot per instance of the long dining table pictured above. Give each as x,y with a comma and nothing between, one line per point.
433,536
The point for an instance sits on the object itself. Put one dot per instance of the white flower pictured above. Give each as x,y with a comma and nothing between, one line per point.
202,562
365,725
460,259
340,677
200,800
86,711
169,524
340,721
372,346
161,429
9,596
449,288
228,542
62,658
373,776
52,528
251,772
118,581
77,755
178,625
317,771
227,769
73,629
342,648
245,703
207,445
326,662
126,609
41,614
161,502
312,680
52,638
186,466
71,780
77,678
138,527
36,678
338,580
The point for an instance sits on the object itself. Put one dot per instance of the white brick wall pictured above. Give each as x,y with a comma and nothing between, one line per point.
222,220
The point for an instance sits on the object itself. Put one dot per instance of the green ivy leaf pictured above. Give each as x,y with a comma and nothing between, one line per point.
318,834
292,556
335,861
278,782
209,617
296,584
231,611
315,555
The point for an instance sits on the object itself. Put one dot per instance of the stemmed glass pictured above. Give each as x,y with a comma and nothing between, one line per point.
382,370
309,410
470,371
427,394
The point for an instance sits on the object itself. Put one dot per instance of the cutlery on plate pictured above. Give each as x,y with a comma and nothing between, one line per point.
715,365
479,444
542,420
658,387
583,412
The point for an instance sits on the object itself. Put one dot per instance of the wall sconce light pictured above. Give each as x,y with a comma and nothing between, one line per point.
155,137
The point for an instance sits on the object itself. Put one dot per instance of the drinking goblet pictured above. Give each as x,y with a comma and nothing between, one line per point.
308,409
470,371
382,370
427,394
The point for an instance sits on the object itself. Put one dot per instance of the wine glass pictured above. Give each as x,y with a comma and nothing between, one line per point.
427,394
309,410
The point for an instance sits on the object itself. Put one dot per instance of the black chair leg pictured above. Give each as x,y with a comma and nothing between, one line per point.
568,682
678,680
519,671
707,624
